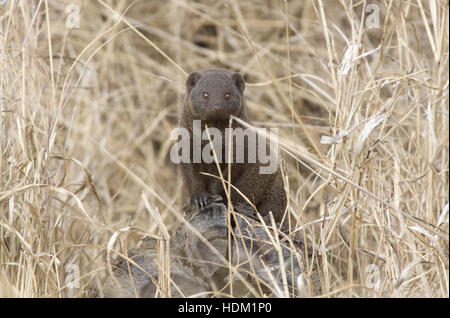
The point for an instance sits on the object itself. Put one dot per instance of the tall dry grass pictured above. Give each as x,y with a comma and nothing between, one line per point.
85,116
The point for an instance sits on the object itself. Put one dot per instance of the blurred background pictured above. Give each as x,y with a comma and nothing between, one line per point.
90,90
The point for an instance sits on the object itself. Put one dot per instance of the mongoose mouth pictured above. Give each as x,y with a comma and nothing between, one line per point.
210,113
217,114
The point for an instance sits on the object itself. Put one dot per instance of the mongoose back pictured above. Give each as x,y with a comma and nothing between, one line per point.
212,95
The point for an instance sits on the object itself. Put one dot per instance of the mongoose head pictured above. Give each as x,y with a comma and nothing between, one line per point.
215,94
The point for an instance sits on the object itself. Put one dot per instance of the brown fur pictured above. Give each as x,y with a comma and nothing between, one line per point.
266,191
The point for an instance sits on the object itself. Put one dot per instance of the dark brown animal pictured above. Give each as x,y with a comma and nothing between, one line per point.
212,96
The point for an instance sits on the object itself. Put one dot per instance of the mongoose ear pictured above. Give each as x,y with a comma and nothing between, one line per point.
192,80
238,81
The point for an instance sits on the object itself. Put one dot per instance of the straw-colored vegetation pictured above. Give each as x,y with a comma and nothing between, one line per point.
362,111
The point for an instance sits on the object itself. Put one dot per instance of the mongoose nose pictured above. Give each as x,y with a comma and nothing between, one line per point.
217,109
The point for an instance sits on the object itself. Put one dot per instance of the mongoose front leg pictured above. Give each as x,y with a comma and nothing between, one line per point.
198,196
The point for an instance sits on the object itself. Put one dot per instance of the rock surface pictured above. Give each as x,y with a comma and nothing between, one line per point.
263,261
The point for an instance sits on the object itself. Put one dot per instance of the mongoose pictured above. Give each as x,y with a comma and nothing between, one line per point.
212,95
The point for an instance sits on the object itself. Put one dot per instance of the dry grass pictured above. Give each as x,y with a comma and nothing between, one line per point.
85,116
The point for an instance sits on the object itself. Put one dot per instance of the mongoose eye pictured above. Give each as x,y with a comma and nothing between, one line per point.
205,95
227,96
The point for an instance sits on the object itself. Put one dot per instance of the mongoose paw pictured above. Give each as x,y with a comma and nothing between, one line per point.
200,200
245,209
